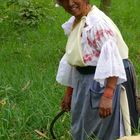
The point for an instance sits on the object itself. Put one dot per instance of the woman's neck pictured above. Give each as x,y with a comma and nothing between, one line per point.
85,12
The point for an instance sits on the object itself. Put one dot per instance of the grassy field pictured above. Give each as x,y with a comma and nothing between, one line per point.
29,57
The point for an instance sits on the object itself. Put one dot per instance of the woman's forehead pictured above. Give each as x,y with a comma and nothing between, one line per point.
61,1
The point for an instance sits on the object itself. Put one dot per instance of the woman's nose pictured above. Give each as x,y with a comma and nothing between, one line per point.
70,2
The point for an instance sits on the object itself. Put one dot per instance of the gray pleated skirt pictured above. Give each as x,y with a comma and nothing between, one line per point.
85,114
86,121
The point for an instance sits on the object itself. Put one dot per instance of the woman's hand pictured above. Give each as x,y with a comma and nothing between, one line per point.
105,106
66,102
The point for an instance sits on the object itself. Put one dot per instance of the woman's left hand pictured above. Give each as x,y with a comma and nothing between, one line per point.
105,105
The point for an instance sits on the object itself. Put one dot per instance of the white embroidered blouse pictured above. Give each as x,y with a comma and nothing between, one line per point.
99,48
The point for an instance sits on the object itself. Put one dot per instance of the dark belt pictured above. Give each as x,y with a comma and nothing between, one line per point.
91,69
86,70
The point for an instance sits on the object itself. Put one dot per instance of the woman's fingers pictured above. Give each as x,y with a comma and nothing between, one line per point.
102,112
105,107
108,112
65,106
105,112
66,102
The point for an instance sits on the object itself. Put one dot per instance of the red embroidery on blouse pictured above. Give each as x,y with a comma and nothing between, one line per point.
101,33
89,42
97,53
87,57
110,32
93,43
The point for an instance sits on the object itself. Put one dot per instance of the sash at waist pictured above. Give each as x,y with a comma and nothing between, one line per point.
91,69
86,70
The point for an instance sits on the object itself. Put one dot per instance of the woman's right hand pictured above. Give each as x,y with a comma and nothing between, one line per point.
66,102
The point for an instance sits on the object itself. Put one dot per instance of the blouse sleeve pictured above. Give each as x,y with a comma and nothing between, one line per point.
64,73
109,62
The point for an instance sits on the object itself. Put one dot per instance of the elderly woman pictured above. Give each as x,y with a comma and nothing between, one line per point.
93,69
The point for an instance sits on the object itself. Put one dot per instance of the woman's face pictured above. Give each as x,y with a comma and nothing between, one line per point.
74,7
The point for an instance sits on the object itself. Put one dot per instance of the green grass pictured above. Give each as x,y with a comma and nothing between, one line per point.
29,57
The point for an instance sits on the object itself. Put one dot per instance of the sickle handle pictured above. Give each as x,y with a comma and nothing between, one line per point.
53,122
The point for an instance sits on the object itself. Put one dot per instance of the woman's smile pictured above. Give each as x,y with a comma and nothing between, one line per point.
74,9
77,8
